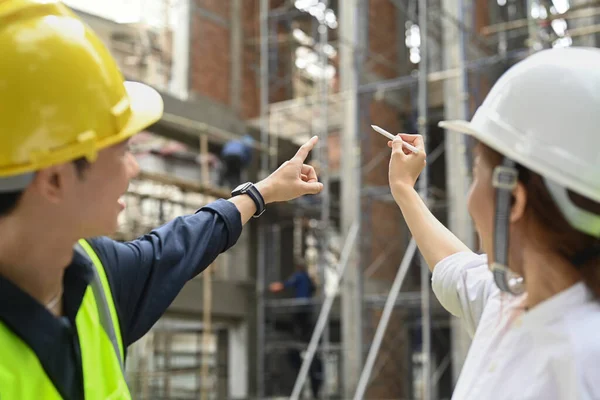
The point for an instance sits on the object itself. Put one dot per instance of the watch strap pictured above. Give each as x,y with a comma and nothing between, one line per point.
252,191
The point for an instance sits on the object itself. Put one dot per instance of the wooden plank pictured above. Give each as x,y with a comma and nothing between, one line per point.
186,185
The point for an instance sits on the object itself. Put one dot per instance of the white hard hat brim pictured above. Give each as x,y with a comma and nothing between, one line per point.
459,126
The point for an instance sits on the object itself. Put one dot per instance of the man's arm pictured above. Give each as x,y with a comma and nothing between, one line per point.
276,287
147,274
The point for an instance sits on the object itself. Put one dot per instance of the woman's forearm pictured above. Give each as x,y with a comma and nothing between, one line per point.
434,240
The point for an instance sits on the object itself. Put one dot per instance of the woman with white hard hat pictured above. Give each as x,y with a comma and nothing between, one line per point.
530,303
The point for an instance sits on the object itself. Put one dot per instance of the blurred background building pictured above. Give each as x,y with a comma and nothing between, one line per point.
282,71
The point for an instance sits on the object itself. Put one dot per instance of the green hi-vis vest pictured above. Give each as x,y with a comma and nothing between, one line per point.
22,376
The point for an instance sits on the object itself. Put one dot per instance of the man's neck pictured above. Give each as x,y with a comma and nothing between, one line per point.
33,256
547,275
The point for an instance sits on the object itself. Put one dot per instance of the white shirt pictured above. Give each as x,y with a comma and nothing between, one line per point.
549,352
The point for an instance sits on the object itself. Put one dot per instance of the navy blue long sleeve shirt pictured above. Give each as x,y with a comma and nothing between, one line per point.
302,284
145,276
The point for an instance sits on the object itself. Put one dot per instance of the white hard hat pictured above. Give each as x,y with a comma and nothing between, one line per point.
544,113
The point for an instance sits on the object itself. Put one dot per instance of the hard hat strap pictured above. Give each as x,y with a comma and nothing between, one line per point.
505,179
15,183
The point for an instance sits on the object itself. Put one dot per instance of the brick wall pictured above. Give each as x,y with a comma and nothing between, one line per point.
385,229
210,49
383,38
281,83
250,59
384,233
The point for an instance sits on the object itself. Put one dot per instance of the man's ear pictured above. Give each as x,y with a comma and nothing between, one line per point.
519,203
50,182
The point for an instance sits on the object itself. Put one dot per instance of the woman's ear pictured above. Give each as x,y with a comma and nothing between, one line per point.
519,203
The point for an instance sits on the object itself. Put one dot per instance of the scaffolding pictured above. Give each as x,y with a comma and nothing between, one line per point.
378,332
462,51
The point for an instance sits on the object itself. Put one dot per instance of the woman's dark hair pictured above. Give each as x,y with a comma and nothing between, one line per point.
9,200
568,241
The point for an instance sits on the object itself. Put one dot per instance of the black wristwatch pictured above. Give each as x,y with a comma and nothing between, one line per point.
251,190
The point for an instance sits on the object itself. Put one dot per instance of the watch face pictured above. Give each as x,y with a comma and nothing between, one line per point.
243,187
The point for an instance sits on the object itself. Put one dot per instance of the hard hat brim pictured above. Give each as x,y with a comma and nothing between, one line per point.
467,128
459,126
145,106
146,109
537,166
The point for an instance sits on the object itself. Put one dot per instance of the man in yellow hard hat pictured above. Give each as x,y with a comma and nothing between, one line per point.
70,307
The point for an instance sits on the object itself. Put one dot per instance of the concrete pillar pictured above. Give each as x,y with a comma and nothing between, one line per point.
238,361
456,107
236,55
181,51
351,291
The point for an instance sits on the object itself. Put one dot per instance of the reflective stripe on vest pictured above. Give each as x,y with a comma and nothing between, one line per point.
23,377
106,310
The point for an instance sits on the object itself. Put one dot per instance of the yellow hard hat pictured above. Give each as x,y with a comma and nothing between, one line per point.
62,96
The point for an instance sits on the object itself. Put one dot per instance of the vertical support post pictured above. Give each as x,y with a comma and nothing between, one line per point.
206,288
350,190
236,36
423,188
204,173
325,194
167,340
206,332
533,40
264,165
260,313
180,65
456,106
264,86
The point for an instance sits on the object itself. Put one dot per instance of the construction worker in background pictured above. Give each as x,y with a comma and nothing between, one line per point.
236,156
302,321
69,307
531,303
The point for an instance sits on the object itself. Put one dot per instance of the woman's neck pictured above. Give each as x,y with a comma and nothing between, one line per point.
546,275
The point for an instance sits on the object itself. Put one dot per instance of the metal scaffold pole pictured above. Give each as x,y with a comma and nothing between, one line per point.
264,85
423,188
456,106
383,322
325,195
264,165
352,31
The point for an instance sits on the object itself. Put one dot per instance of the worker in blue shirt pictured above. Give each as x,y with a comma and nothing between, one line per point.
302,321
236,156
69,307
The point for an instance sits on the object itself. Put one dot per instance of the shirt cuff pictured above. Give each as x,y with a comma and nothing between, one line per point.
230,215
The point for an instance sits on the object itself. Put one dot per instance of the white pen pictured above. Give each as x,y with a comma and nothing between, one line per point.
391,137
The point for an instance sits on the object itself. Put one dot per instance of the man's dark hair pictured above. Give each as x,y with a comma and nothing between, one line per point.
9,200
